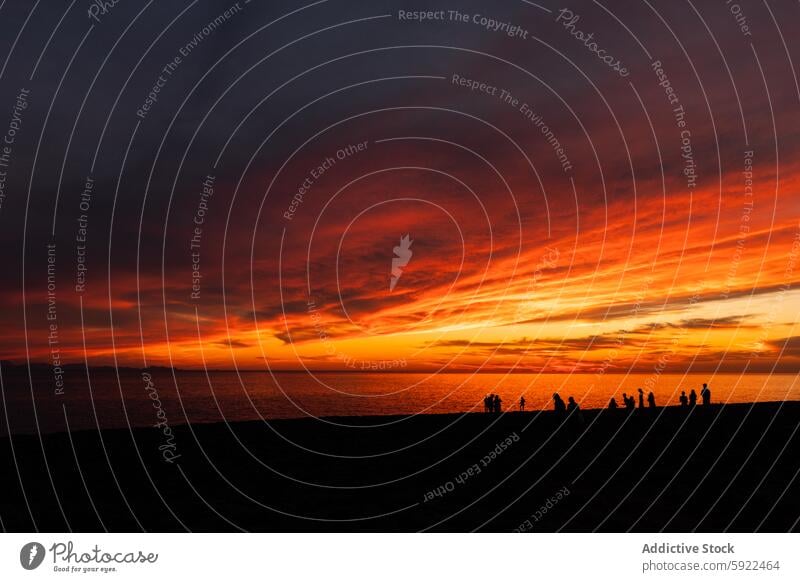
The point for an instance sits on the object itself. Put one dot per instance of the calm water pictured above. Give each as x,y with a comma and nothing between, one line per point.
255,395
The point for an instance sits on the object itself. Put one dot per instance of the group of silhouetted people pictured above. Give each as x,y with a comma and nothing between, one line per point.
691,400
570,406
630,401
493,403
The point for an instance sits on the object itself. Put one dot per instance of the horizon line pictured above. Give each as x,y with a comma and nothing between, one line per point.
505,371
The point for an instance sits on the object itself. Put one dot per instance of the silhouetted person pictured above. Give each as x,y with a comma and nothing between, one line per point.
487,403
705,394
558,404
612,404
628,401
497,403
641,398
651,400
522,404
574,414
572,406
692,398
684,399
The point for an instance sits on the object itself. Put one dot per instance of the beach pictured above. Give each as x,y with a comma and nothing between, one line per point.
711,468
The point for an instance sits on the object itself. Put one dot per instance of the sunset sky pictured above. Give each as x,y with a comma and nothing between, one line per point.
611,258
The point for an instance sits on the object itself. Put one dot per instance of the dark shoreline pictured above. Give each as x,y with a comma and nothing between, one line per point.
716,468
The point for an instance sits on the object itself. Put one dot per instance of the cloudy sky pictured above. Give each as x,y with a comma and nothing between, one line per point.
587,187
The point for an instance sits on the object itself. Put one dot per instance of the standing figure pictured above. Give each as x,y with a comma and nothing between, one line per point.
684,399
692,398
651,400
522,404
497,403
558,404
705,394
641,398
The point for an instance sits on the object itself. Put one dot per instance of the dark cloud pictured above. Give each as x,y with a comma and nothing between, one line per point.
232,343
789,346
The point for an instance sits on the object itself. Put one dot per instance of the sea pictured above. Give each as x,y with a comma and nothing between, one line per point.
128,398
